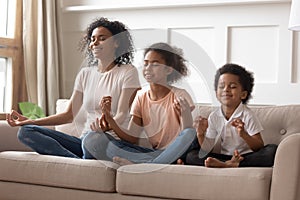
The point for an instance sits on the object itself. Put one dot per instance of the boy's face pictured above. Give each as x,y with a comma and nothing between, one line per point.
155,69
230,92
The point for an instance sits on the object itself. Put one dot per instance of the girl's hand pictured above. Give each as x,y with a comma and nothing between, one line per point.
177,107
239,125
182,107
16,119
100,125
104,124
201,125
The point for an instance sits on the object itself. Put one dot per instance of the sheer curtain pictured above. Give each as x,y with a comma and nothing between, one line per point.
40,43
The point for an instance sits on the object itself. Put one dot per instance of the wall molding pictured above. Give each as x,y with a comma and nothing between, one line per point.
99,5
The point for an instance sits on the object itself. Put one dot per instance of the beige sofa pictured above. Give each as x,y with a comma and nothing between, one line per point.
27,175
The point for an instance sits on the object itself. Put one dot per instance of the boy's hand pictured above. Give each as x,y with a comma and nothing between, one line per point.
239,125
201,125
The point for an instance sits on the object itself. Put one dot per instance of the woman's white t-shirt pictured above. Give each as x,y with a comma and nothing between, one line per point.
94,85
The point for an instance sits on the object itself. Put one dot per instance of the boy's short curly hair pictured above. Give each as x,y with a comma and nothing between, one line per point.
245,77
173,57
124,52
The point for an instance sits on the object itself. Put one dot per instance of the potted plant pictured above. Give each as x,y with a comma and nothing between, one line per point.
31,110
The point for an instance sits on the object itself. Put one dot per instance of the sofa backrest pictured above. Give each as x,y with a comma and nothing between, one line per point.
278,121
76,127
9,139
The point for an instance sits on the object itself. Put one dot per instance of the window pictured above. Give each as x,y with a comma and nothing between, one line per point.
12,79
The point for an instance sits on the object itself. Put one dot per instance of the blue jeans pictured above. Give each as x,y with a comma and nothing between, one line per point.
50,142
102,146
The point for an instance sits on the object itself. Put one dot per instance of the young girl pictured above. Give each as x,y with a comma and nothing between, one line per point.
238,127
163,112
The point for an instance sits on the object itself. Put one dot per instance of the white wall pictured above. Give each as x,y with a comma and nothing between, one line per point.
252,33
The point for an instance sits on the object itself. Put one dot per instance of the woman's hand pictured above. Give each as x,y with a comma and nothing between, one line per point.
105,105
101,123
95,126
16,119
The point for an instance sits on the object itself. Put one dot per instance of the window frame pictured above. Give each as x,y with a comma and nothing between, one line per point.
13,48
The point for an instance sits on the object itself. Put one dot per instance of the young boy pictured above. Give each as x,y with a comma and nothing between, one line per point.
235,124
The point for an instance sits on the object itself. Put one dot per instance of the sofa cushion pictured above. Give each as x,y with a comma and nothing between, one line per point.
32,168
194,182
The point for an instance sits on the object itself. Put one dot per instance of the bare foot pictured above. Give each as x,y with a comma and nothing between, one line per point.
213,162
234,162
236,158
121,161
180,162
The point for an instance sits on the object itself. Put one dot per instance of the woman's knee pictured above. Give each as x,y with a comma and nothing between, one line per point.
24,132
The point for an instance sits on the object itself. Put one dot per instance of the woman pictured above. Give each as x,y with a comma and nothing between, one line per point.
109,50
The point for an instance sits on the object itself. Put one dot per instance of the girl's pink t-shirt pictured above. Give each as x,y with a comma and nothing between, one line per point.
161,121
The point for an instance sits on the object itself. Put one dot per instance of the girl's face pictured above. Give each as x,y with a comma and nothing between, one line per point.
230,92
102,44
155,69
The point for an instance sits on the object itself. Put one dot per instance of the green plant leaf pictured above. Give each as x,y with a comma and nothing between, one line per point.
31,110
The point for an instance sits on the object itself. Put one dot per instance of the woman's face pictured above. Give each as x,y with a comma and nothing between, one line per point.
102,44
155,69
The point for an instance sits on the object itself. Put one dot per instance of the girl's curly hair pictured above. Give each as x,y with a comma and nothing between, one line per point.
125,50
173,57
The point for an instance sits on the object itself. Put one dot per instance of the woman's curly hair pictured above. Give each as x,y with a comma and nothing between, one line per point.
125,50
173,57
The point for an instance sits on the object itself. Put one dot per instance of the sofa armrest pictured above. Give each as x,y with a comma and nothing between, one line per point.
8,138
286,172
